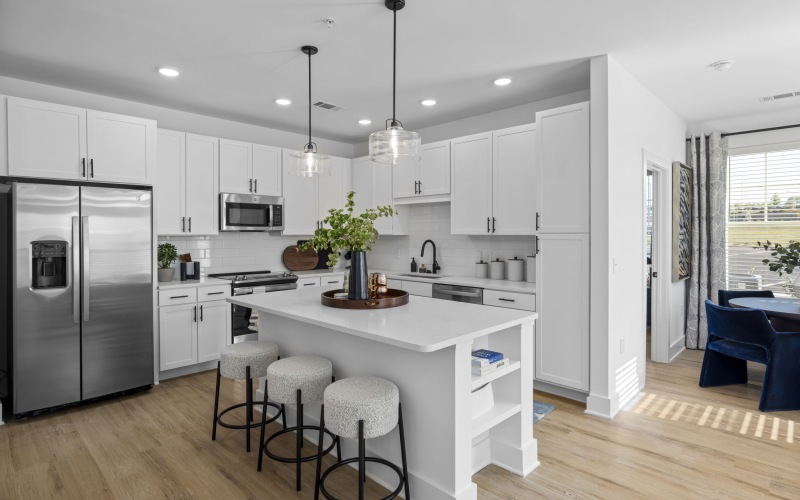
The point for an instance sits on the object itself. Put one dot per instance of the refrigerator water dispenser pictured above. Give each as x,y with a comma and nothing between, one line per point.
48,264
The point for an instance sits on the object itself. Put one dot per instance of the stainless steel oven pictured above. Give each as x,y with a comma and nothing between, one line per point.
248,212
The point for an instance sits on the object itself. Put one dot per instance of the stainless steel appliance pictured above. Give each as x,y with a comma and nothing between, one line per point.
466,294
253,283
80,292
248,212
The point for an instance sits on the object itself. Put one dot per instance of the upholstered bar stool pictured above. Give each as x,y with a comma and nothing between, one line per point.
297,380
362,408
245,361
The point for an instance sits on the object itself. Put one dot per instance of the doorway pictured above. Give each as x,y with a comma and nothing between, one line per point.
657,251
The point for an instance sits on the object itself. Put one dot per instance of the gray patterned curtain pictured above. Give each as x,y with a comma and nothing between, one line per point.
709,164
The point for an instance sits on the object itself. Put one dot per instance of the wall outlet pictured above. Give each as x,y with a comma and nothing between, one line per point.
622,346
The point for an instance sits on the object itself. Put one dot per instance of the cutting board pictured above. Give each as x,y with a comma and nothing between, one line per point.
300,261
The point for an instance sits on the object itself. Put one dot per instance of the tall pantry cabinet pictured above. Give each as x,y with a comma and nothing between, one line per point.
562,245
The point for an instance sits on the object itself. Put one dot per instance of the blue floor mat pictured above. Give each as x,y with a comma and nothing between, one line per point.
540,410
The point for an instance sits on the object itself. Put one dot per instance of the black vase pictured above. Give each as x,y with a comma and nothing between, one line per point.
359,287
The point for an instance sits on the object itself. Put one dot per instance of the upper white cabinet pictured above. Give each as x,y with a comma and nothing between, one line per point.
562,170
63,142
493,175
249,168
372,183
186,187
428,180
308,199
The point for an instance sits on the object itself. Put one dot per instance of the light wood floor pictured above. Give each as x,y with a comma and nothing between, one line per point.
676,441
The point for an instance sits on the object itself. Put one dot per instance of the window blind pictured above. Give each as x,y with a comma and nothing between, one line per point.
763,204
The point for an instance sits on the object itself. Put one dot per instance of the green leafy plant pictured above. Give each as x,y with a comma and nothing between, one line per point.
347,231
784,258
167,254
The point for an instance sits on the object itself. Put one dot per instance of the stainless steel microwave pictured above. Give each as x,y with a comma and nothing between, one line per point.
248,212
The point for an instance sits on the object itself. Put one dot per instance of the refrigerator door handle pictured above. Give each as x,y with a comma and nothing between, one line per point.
85,265
76,265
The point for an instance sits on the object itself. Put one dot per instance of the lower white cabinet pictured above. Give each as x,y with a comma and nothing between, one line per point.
332,282
307,282
194,325
510,300
562,301
416,288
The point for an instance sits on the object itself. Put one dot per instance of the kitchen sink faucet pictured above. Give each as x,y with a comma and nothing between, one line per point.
422,254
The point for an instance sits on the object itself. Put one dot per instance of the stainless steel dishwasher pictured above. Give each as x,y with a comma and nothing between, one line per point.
466,294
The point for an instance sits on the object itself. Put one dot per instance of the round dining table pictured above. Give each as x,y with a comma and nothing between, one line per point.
783,313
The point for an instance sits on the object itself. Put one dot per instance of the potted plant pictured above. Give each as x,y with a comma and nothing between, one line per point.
355,233
167,255
784,260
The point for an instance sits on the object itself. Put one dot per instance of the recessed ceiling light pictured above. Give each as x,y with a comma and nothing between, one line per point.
428,102
168,71
502,81
283,102
364,121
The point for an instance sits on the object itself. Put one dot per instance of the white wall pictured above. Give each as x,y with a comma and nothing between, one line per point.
636,121
503,118
169,118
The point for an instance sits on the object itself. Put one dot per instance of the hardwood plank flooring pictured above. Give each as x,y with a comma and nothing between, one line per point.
675,441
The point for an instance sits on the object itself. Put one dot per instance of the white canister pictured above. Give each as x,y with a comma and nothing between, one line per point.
530,269
516,269
481,269
497,269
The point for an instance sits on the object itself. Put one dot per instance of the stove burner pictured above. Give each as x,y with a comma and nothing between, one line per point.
256,278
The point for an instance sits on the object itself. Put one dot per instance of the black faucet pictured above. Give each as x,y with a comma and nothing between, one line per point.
422,254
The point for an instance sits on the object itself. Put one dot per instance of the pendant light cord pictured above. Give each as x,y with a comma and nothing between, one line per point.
394,67
309,98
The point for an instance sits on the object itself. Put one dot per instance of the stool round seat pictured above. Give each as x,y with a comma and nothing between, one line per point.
258,355
371,399
309,374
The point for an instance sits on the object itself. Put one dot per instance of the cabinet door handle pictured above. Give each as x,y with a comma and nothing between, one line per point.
190,224
255,185
201,313
507,300
83,167
251,185
488,230
420,187
537,245
179,296
308,284
215,293
493,221
91,168
195,314
183,224
537,221
332,282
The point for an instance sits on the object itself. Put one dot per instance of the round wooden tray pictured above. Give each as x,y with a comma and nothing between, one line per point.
392,298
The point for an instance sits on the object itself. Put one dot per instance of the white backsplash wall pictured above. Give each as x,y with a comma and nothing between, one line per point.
457,254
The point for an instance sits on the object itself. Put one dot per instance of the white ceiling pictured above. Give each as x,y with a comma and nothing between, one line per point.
238,56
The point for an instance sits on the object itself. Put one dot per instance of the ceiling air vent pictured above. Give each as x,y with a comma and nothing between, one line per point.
779,96
327,105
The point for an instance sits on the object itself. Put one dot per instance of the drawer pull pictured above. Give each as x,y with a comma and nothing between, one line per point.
507,300
179,297
309,284
333,282
215,293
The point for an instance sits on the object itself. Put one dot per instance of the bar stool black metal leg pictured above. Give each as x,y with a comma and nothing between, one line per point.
403,448
319,450
216,407
299,435
263,426
283,413
338,449
249,406
361,462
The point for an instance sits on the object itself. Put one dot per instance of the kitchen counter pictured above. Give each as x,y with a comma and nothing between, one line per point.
425,348
314,273
485,283
204,281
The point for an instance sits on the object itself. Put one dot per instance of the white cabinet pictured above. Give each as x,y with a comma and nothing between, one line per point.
194,325
308,282
562,170
510,300
562,301
63,142
372,183
332,282
417,288
308,199
249,168
493,175
428,180
186,186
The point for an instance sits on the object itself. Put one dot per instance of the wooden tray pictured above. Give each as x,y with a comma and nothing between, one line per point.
392,298
300,261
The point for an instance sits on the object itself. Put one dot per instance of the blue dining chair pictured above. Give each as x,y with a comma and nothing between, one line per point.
736,336
726,295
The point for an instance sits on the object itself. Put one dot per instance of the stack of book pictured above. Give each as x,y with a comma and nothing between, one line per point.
485,361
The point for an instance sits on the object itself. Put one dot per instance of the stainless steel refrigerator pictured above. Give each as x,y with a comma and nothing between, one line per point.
81,293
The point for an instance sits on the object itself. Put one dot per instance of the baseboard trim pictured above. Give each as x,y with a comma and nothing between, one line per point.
187,370
599,406
564,392
676,348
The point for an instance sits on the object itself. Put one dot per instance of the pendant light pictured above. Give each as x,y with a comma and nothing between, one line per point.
394,145
308,163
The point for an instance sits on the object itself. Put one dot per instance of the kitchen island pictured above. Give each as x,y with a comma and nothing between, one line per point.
425,348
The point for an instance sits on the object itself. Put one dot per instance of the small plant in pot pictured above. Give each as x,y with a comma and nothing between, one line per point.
785,259
167,255
355,233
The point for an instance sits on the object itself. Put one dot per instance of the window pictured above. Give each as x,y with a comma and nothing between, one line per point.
763,204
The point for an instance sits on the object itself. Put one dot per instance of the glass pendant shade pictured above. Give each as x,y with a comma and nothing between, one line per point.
309,163
395,145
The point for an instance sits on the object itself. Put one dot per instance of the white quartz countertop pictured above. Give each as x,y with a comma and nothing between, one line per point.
177,283
423,325
485,283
